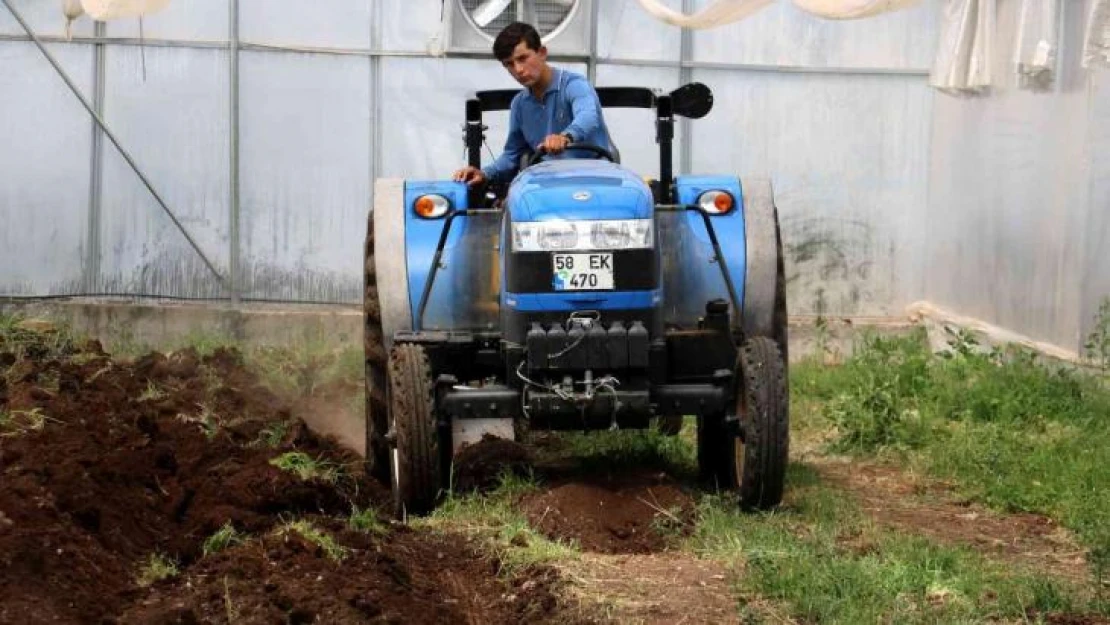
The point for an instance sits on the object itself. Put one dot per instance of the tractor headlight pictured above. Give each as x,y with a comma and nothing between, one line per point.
716,202
431,206
550,236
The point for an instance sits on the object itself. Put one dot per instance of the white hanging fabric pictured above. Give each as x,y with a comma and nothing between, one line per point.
717,14
724,12
963,61
103,10
851,9
72,10
1096,50
1037,43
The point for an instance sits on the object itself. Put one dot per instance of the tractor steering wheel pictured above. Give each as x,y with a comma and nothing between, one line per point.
601,152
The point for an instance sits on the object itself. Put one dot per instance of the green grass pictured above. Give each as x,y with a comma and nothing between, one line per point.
307,467
504,529
39,339
20,422
316,536
821,560
223,538
1012,430
632,449
155,569
366,520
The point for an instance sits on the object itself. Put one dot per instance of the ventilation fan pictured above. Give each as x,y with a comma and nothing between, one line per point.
470,26
548,16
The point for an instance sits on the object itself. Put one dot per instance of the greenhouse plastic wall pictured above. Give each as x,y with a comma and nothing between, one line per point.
275,190
1018,224
264,122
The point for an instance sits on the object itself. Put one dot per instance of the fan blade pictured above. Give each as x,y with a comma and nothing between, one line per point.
489,11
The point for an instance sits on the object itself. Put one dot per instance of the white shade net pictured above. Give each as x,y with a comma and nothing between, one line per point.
963,62
1037,45
724,12
104,10
1096,50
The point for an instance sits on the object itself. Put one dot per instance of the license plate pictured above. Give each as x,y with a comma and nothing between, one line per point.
582,272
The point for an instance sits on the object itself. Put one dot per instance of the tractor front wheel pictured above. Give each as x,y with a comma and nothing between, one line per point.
415,456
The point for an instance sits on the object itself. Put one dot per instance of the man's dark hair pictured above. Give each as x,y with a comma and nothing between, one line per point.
512,35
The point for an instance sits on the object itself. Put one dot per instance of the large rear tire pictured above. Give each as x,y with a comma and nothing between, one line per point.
377,421
416,454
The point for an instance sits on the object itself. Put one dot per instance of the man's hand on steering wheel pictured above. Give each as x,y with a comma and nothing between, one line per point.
542,151
554,144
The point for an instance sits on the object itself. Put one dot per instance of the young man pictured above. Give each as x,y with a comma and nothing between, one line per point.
555,108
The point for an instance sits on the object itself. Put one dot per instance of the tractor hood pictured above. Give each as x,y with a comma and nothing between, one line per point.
569,189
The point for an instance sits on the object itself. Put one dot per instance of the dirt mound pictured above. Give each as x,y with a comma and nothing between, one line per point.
479,466
626,514
409,578
105,466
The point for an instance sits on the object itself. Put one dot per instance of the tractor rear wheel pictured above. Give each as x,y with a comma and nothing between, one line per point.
755,463
377,449
415,456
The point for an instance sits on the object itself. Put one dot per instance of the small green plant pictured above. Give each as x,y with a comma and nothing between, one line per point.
152,393
306,467
19,422
505,531
224,537
208,421
1098,342
272,435
156,569
366,521
316,536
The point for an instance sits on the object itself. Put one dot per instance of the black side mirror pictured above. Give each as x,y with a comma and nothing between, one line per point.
693,100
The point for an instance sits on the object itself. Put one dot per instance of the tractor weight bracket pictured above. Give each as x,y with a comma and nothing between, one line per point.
449,218
720,257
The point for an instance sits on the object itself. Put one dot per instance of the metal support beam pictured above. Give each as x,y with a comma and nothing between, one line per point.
562,58
91,270
376,32
112,137
591,62
234,238
685,73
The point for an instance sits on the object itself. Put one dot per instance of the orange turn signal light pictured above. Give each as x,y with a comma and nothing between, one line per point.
717,202
431,206
723,202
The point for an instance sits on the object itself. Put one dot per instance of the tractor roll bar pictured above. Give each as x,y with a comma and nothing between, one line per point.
611,97
693,100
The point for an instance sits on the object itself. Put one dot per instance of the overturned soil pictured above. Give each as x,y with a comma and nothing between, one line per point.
630,513
481,466
105,465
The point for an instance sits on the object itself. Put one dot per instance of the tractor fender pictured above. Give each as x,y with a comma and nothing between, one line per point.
763,249
392,273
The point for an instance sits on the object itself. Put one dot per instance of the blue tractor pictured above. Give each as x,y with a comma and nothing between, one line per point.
579,296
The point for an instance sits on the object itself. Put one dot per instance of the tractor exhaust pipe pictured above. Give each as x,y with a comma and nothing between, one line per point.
474,133
664,136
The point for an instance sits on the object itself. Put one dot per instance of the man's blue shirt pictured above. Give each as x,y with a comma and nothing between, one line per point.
569,104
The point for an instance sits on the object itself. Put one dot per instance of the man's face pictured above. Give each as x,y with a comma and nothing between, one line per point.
526,65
